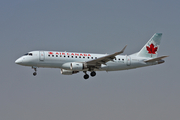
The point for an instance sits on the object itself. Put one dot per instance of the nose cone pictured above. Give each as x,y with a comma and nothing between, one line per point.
18,61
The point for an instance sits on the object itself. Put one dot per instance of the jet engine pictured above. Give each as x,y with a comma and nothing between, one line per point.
77,66
68,72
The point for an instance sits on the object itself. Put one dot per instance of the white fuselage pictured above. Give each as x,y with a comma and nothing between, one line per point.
71,62
63,60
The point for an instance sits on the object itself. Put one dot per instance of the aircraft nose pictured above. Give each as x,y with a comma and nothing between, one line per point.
18,61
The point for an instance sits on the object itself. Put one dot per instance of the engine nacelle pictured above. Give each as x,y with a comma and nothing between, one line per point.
75,66
68,72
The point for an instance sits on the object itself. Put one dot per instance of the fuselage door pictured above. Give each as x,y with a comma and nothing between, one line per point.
128,60
41,55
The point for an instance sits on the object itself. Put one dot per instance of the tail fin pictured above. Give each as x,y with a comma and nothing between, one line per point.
151,48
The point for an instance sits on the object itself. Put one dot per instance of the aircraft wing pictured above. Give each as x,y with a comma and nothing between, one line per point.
156,59
104,59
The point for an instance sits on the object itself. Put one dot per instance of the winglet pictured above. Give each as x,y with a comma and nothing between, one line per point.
124,49
121,50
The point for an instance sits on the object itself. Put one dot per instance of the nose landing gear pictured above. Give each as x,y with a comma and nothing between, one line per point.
35,69
35,73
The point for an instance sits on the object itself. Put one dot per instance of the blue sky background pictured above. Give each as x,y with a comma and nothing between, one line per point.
96,26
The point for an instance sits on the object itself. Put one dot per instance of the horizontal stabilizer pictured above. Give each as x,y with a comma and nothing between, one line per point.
156,59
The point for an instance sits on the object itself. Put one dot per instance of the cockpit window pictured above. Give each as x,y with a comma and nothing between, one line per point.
30,54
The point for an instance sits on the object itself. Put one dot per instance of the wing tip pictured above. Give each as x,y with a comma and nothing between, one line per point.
124,48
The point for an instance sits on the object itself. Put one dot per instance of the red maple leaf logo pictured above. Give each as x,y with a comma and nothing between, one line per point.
151,49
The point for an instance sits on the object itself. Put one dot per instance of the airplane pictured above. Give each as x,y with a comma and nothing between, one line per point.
73,62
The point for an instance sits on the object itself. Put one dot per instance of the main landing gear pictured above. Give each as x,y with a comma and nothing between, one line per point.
86,76
93,74
35,69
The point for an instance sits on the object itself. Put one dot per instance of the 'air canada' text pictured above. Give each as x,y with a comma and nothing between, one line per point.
69,54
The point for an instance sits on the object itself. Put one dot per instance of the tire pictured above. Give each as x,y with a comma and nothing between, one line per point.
86,76
93,74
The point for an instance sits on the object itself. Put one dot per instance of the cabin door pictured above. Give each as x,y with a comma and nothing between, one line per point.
128,60
41,55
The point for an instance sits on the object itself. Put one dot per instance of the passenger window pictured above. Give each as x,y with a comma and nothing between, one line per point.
91,57
64,56
60,55
72,56
95,57
52,55
68,56
49,55
119,59
115,58
76,56
88,57
123,59
83,57
79,56
56,55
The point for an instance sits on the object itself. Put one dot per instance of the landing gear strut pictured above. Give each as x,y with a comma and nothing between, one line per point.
35,69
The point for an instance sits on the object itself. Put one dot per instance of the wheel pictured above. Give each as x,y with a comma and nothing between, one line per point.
93,74
86,76
34,73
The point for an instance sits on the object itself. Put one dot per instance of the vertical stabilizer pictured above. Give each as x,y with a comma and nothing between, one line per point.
151,48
